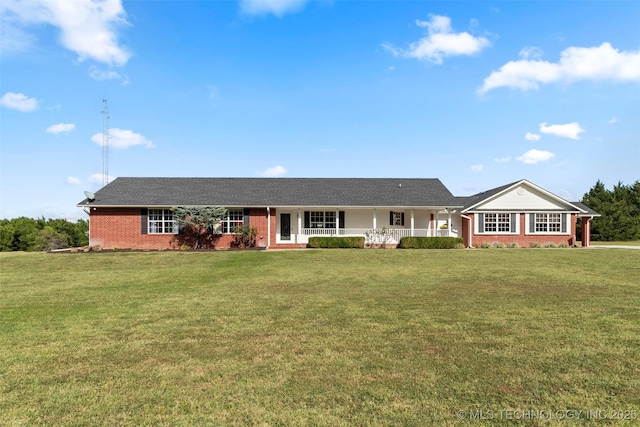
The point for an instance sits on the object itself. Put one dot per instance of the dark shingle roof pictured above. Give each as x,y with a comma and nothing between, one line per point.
257,192
469,201
589,211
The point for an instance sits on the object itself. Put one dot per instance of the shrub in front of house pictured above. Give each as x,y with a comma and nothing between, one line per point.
356,242
431,243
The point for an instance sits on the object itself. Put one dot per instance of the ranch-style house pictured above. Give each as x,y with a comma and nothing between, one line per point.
136,213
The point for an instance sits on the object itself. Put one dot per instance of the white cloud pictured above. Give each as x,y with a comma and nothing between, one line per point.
530,52
502,159
569,130
87,27
73,180
96,178
440,42
273,172
477,168
61,127
614,120
19,101
535,156
12,38
121,138
98,74
532,136
276,7
576,63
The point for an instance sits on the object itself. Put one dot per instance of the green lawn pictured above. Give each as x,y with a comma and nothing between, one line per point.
623,243
320,337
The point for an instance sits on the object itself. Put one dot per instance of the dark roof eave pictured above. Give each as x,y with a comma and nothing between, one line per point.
138,205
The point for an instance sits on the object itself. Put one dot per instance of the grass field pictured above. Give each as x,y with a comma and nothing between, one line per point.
321,337
622,243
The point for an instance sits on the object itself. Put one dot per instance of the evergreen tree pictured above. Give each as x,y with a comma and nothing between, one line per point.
619,209
199,225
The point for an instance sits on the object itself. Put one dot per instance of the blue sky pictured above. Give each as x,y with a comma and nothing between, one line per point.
478,94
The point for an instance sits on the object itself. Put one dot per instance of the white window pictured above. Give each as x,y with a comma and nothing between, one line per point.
161,222
548,223
233,220
320,219
497,223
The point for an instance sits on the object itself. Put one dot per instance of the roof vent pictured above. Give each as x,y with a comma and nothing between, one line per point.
399,185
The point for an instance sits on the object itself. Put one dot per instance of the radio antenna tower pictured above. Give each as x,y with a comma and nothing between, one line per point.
105,143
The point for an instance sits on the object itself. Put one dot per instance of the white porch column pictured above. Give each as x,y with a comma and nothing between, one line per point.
374,219
299,225
412,222
337,222
436,228
449,223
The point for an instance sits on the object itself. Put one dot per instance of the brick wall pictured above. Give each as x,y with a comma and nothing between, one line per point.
522,239
120,228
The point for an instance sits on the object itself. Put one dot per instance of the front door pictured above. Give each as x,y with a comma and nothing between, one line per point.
285,226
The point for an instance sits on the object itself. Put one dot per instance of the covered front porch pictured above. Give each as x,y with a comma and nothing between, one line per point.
297,225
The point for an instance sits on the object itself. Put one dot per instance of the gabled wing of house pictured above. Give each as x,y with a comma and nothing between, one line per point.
523,213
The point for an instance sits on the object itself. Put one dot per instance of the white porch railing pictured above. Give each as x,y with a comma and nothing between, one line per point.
395,233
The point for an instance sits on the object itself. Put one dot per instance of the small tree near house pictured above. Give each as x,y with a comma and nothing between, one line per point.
198,225
245,237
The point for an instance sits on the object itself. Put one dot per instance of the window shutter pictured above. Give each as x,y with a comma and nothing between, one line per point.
532,223
341,218
481,223
390,217
512,227
246,216
307,219
143,220
402,219
563,218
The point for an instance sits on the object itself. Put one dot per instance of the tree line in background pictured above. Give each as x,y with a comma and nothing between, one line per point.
28,234
619,209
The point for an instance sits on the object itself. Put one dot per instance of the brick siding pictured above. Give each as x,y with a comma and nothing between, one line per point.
120,228
521,239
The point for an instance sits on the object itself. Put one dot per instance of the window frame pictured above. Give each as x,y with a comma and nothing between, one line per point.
500,223
233,218
322,219
396,218
548,223
161,219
